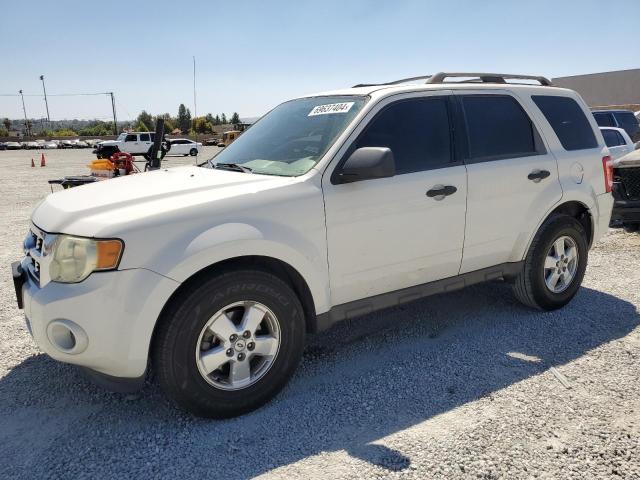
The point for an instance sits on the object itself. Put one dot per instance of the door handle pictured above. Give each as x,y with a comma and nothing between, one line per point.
438,192
538,175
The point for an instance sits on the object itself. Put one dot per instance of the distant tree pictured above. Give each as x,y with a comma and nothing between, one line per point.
145,121
209,118
223,119
4,132
169,122
98,129
235,118
64,132
7,124
202,126
217,120
141,127
184,118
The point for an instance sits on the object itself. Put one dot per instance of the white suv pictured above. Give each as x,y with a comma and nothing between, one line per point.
135,143
330,207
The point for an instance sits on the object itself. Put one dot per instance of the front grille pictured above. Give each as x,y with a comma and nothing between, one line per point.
630,180
33,248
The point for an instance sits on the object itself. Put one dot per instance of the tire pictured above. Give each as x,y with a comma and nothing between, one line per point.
631,227
179,344
530,286
193,152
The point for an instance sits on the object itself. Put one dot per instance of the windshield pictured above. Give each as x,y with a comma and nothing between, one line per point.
121,137
292,138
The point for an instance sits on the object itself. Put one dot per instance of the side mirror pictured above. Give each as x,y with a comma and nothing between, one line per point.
367,163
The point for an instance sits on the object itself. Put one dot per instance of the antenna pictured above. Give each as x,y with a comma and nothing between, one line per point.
195,107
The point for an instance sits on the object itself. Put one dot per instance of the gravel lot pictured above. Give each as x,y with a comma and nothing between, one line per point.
463,385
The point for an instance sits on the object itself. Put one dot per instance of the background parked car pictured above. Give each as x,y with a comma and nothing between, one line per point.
13,146
3,146
30,145
67,144
618,141
621,119
184,146
50,144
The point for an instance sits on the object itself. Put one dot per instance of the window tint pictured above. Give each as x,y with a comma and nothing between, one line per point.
131,138
612,138
144,137
497,127
417,132
568,121
629,122
604,119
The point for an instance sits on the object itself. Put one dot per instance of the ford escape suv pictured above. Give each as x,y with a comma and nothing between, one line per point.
331,206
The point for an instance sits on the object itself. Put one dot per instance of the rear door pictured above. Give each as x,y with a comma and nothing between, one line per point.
512,178
145,143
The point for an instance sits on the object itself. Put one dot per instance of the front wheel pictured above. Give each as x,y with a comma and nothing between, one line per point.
555,264
228,344
193,152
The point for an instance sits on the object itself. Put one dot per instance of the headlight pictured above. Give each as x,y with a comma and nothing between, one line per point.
75,258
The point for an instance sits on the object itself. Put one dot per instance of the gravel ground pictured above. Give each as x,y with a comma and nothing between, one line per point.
463,385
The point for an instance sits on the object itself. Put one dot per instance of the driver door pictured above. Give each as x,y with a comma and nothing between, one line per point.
388,234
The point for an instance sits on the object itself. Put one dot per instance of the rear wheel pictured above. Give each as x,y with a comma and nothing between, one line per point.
555,264
193,152
229,344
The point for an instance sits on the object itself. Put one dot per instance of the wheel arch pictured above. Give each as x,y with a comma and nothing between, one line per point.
275,266
574,208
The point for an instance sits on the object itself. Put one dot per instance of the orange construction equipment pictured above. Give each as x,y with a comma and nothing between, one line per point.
33,164
42,162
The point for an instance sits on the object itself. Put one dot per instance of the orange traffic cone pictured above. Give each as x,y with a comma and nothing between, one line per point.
33,164
42,162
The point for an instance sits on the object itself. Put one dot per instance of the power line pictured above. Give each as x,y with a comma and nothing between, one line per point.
54,94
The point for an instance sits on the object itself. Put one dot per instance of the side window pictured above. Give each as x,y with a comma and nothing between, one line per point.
568,121
131,138
604,119
621,140
417,132
497,127
612,138
144,137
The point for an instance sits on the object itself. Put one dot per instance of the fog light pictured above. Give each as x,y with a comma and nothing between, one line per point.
67,336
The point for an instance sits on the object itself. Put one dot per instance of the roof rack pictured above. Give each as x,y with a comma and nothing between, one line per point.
488,77
475,78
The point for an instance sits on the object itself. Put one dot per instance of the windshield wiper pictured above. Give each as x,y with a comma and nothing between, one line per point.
233,166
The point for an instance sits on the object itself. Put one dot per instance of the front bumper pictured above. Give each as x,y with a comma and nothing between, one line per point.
104,323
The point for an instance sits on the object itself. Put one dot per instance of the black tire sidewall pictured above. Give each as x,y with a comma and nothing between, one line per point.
189,388
558,227
191,152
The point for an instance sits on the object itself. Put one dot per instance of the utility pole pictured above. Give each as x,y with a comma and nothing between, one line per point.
46,103
115,120
26,122
195,107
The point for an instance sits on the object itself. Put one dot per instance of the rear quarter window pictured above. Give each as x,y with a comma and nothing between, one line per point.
568,121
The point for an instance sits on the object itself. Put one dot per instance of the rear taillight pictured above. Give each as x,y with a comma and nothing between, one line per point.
607,167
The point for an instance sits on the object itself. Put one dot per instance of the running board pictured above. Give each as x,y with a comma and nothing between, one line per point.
364,306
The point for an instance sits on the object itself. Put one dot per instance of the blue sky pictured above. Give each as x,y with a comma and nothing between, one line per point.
251,55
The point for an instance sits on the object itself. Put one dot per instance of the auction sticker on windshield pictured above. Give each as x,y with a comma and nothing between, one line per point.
343,107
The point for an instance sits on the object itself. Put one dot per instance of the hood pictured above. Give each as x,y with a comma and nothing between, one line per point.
629,160
110,207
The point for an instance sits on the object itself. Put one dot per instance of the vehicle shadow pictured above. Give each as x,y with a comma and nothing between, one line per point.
361,381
